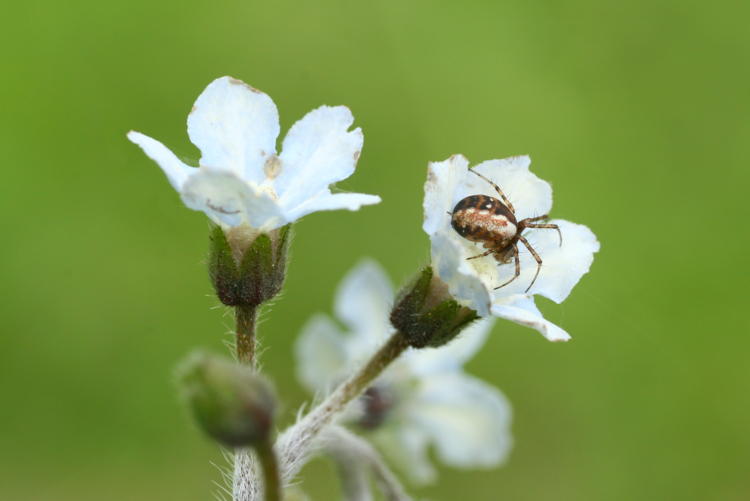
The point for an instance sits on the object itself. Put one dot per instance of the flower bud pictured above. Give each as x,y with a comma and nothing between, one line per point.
247,268
231,402
426,314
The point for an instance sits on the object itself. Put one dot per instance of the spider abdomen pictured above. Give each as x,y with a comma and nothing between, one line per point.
484,219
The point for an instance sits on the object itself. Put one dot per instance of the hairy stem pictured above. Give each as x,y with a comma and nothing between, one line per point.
270,467
245,317
295,444
246,485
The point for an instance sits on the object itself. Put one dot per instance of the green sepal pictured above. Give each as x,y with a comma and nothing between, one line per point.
282,244
446,320
426,315
222,268
412,297
257,272
260,274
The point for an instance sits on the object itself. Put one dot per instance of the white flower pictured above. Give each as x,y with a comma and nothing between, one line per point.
424,398
240,178
474,282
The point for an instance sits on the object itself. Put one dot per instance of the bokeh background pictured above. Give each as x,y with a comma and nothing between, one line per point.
637,112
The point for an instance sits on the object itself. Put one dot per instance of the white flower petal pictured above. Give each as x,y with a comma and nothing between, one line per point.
230,201
235,126
321,354
562,266
450,181
363,302
454,355
529,195
317,151
176,171
467,419
326,201
443,180
464,282
522,310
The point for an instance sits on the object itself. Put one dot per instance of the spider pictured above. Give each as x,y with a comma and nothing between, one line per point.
487,220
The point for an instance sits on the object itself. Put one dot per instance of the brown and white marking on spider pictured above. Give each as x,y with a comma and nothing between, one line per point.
491,222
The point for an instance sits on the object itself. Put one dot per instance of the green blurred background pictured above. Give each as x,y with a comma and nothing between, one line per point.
637,112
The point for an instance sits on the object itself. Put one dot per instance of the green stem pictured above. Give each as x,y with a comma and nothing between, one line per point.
245,317
374,367
270,467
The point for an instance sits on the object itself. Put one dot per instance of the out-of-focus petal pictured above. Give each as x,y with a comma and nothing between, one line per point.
423,398
235,126
317,151
465,283
452,356
176,171
522,310
321,354
562,266
363,302
328,201
230,201
467,420
406,446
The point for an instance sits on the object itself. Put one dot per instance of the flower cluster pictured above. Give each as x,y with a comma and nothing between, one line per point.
390,367
424,398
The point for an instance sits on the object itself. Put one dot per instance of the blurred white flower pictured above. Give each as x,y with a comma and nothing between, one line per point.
424,398
474,282
240,178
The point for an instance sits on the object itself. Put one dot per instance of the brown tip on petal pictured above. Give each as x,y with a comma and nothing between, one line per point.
193,109
356,155
240,82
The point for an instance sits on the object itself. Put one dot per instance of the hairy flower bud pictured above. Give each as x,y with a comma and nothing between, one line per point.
231,402
426,314
247,268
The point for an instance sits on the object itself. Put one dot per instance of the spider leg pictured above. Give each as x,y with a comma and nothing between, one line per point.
537,218
487,253
498,190
549,226
536,257
517,259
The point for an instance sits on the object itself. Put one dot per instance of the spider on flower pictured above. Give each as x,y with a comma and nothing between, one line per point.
489,221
